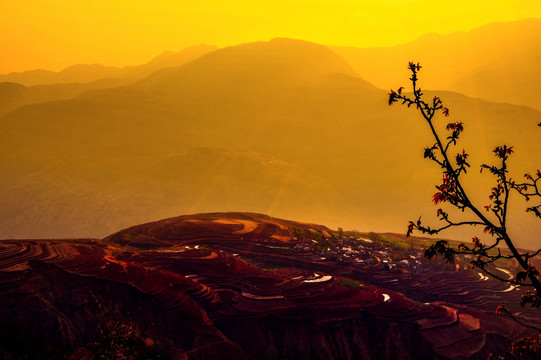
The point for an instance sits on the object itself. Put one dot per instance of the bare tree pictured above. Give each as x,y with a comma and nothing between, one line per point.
491,217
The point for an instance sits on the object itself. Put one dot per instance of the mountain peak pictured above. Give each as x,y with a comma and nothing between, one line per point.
309,55
170,57
280,62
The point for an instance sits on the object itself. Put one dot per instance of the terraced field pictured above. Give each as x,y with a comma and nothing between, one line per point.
201,287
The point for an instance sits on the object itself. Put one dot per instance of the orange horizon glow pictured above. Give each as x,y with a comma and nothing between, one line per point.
55,34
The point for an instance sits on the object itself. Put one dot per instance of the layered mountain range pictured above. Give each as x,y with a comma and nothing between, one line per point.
285,127
497,62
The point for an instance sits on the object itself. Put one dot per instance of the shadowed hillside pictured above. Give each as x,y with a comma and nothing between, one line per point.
295,131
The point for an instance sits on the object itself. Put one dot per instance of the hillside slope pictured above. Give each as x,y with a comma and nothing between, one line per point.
292,103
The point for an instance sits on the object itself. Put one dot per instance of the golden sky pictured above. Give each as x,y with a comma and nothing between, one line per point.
54,34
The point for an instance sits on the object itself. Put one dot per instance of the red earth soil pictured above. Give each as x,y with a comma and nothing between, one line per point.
198,287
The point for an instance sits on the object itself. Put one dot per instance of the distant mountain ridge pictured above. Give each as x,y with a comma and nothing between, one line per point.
38,86
74,73
86,73
496,62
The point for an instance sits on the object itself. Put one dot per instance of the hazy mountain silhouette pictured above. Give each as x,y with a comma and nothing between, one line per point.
12,96
75,73
497,62
166,60
293,130
83,73
77,79
16,95
76,194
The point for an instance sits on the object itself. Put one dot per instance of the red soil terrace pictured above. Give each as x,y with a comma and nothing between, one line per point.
196,284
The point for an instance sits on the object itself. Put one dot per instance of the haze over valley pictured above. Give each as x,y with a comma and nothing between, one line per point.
285,127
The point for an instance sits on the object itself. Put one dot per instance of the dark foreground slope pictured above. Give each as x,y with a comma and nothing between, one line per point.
239,286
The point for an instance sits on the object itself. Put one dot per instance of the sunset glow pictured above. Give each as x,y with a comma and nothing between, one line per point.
55,34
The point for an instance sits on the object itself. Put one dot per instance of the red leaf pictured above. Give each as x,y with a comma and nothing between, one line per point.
445,112
521,276
438,198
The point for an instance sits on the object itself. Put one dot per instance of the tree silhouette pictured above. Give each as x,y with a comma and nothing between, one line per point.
491,217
